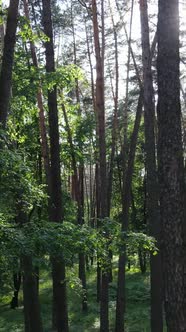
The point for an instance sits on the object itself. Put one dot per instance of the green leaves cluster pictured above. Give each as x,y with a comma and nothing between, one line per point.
53,239
109,237
18,184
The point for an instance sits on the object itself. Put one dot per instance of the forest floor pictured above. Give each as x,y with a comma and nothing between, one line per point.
137,315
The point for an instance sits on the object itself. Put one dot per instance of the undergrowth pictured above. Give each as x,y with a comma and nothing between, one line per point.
138,304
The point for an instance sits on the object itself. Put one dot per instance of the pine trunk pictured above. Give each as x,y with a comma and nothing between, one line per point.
100,110
7,60
120,303
60,313
171,168
17,284
32,315
151,181
79,197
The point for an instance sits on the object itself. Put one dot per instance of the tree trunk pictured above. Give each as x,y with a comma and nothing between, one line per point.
60,314
100,110
120,303
171,168
115,116
79,197
1,37
124,149
17,284
153,215
82,260
142,261
7,60
32,314
30,297
97,168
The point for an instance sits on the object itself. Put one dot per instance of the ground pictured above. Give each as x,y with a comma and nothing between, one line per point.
137,315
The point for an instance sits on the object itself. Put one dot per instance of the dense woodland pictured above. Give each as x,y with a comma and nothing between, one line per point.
92,165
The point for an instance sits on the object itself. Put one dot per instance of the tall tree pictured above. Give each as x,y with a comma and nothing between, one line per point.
60,314
121,296
115,94
78,184
100,109
120,303
32,314
7,60
79,180
153,214
170,162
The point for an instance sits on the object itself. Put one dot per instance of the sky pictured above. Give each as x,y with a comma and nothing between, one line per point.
136,14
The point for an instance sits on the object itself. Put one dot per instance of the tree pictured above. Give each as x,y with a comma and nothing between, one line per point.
7,60
121,296
100,110
60,314
170,165
153,215
30,290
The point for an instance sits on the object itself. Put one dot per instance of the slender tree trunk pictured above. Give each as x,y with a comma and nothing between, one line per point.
17,284
32,313
82,261
91,68
120,303
7,60
79,183
60,313
100,109
79,197
142,261
115,116
171,168
151,182
97,168
125,113
98,214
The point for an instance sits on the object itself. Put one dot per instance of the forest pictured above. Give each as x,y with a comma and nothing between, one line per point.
92,165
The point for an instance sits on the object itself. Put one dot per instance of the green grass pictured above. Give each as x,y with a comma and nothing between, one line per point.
137,315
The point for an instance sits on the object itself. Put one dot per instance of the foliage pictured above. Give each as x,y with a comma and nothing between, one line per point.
17,183
54,239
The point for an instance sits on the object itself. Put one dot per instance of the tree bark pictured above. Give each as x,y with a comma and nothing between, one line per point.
32,315
153,214
100,110
124,149
120,302
170,165
97,168
115,116
17,284
60,313
7,60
